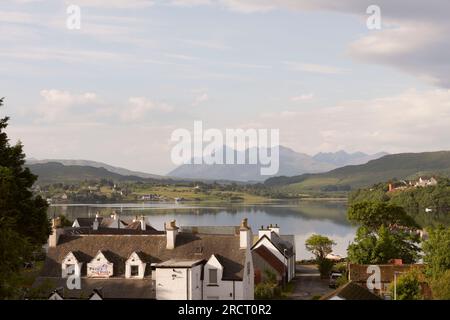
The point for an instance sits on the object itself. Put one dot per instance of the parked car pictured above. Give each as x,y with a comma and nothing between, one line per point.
333,279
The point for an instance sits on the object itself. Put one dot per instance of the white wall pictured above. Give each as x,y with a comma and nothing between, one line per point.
179,283
70,262
134,260
99,267
171,284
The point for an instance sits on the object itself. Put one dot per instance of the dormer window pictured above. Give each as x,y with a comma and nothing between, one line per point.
135,266
70,266
100,267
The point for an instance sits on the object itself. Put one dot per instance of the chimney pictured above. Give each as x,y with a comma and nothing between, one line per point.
275,229
143,223
264,232
171,234
95,224
245,235
56,232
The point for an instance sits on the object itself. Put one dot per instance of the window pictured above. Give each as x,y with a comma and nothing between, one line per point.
212,276
134,271
70,269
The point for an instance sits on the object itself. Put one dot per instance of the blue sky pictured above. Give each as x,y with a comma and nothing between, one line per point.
114,90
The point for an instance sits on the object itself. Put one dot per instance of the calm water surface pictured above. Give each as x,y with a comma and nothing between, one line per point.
300,218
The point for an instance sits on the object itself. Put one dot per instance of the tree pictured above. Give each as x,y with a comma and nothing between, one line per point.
437,251
408,286
23,218
320,246
375,214
441,286
384,234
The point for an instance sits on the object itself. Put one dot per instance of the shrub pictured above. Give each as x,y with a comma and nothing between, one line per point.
325,266
264,291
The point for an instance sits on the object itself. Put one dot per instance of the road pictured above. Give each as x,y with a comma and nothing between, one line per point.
308,283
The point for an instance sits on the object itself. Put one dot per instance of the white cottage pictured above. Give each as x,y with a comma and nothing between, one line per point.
192,264
280,246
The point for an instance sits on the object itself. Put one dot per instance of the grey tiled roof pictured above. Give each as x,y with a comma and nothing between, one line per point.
153,247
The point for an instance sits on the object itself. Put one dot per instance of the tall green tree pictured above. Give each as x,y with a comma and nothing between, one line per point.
437,251
320,246
384,233
24,226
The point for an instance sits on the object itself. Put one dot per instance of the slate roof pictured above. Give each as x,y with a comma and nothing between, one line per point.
112,288
270,258
111,231
152,247
351,291
280,243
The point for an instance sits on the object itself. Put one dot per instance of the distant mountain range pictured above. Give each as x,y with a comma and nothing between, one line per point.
55,172
291,163
95,164
400,166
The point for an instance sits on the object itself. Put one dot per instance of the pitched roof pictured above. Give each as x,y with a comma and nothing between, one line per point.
119,248
136,225
286,248
351,291
358,272
87,222
270,258
113,288
110,231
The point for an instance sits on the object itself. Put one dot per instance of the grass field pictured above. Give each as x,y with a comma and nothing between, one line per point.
192,194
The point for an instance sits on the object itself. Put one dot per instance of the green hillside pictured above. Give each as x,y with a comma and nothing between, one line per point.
399,166
53,172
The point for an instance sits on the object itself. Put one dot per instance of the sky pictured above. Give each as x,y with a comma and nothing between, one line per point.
136,70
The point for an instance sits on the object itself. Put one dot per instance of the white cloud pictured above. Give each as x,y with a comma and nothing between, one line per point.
413,36
410,121
114,4
65,98
202,97
58,105
303,97
140,107
314,68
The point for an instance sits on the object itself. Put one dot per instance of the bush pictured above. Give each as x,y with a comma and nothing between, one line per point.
325,266
408,286
441,287
264,291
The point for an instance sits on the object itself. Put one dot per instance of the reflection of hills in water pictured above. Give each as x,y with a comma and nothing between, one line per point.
307,210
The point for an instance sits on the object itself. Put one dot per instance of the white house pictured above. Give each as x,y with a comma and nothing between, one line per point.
190,264
280,246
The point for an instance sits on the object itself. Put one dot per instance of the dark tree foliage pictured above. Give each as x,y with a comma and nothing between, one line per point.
24,226
385,232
